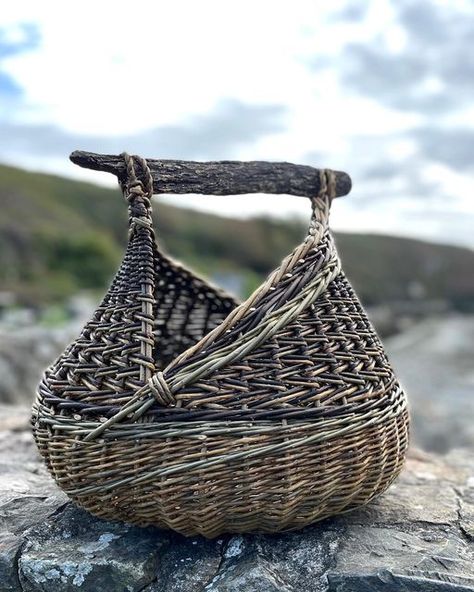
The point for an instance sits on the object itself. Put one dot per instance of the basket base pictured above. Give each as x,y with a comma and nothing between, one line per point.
214,481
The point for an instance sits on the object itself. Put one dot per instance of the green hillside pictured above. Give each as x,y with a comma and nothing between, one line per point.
58,236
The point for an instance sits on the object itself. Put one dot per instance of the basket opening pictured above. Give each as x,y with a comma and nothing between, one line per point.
188,307
190,310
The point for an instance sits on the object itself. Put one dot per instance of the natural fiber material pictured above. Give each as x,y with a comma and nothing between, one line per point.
178,407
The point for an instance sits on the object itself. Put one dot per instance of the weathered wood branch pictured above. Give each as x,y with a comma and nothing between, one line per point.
226,177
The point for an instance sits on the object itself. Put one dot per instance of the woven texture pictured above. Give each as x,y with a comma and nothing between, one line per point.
180,408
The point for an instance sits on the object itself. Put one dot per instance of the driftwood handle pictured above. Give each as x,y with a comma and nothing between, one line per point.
225,177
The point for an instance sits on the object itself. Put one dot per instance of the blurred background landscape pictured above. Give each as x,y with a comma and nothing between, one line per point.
382,90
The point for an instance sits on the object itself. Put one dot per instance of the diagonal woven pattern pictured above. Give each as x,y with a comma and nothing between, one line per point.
179,407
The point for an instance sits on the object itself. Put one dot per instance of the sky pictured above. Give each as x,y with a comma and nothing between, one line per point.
383,90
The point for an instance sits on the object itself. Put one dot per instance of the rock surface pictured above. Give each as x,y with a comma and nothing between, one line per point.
24,354
433,360
419,536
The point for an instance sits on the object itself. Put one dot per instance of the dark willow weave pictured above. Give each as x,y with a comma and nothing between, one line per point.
178,407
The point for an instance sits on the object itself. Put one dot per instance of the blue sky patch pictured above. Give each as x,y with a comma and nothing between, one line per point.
8,87
24,37
14,41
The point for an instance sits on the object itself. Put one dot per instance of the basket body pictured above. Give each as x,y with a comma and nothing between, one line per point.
179,408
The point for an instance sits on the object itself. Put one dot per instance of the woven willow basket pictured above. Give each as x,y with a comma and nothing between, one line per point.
180,408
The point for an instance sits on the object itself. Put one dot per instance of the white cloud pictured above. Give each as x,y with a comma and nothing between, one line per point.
118,70
154,63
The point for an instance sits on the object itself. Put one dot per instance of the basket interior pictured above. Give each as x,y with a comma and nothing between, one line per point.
187,308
